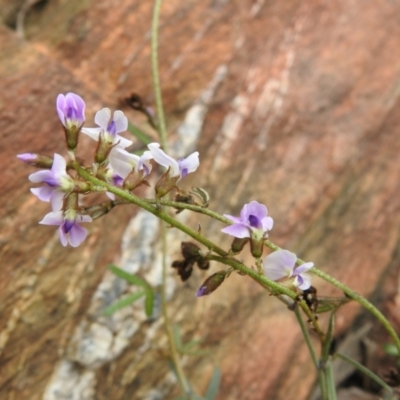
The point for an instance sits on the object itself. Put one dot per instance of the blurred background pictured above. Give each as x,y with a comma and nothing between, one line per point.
294,104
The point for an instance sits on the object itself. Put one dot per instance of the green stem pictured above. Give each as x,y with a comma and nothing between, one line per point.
353,295
191,207
365,370
307,338
168,326
162,131
323,384
330,381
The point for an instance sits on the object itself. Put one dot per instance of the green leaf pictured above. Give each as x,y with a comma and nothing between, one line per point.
213,386
149,303
132,279
139,134
126,301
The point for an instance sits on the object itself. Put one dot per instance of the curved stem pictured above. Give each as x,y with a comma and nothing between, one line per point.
223,256
155,75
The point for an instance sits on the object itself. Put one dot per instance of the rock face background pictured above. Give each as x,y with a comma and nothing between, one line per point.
294,104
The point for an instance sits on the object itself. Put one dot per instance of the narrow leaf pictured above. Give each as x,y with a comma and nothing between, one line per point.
149,303
132,279
126,301
213,386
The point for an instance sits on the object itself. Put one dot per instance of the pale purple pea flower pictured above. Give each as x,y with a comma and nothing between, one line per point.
109,128
71,110
123,163
253,222
69,229
179,168
58,181
281,264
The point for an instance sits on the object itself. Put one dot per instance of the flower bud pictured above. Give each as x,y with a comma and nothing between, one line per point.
212,283
238,244
71,111
36,160
256,247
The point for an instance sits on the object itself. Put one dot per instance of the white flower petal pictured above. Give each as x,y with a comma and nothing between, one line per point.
59,166
190,163
57,200
121,122
76,235
279,264
121,142
53,218
163,159
94,133
102,118
63,236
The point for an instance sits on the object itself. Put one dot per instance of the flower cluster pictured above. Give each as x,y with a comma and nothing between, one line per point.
63,188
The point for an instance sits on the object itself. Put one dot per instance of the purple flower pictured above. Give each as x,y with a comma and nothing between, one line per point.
253,222
179,168
281,264
58,182
109,128
69,231
71,110
124,162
